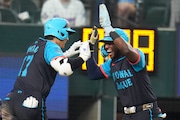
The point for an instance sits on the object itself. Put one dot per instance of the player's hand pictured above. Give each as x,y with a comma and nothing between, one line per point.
94,36
104,52
73,50
104,19
85,53
30,102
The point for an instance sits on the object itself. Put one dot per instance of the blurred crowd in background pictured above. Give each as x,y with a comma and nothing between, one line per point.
79,13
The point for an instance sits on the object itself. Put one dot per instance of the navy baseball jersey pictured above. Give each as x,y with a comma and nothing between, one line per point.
36,74
131,80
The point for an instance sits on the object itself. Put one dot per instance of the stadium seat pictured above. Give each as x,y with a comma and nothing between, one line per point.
157,16
7,15
20,6
36,17
156,13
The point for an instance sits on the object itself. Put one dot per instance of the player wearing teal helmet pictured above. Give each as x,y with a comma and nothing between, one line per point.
127,68
43,60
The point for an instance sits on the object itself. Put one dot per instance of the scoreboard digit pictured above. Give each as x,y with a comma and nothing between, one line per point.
148,49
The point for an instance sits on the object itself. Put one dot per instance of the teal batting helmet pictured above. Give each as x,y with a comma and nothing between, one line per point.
120,32
57,27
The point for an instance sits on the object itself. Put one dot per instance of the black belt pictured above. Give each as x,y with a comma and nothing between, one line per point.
135,109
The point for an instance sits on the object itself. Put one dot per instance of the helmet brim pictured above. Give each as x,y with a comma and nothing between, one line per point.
70,31
106,39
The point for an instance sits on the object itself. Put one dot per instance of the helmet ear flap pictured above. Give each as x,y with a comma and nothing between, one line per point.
63,34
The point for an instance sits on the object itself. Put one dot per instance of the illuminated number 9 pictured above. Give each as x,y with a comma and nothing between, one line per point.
24,67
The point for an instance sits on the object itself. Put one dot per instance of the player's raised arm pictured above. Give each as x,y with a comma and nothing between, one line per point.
119,37
93,70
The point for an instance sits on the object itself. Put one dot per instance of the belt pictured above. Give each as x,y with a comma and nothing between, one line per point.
135,109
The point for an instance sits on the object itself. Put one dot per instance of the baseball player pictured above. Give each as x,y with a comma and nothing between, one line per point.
127,67
44,58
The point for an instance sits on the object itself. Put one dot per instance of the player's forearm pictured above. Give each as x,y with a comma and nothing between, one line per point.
75,62
119,42
93,70
124,47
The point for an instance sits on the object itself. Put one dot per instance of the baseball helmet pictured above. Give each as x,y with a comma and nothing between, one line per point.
120,32
58,27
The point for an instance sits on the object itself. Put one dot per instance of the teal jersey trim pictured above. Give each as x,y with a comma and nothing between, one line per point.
52,50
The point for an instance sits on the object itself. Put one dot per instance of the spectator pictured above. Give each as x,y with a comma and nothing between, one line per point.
25,10
5,3
126,11
71,10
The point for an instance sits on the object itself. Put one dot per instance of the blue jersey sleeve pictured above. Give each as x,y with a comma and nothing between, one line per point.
52,50
106,68
141,63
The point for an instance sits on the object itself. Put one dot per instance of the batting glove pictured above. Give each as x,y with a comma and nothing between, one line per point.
85,53
30,102
104,53
104,19
94,36
73,50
